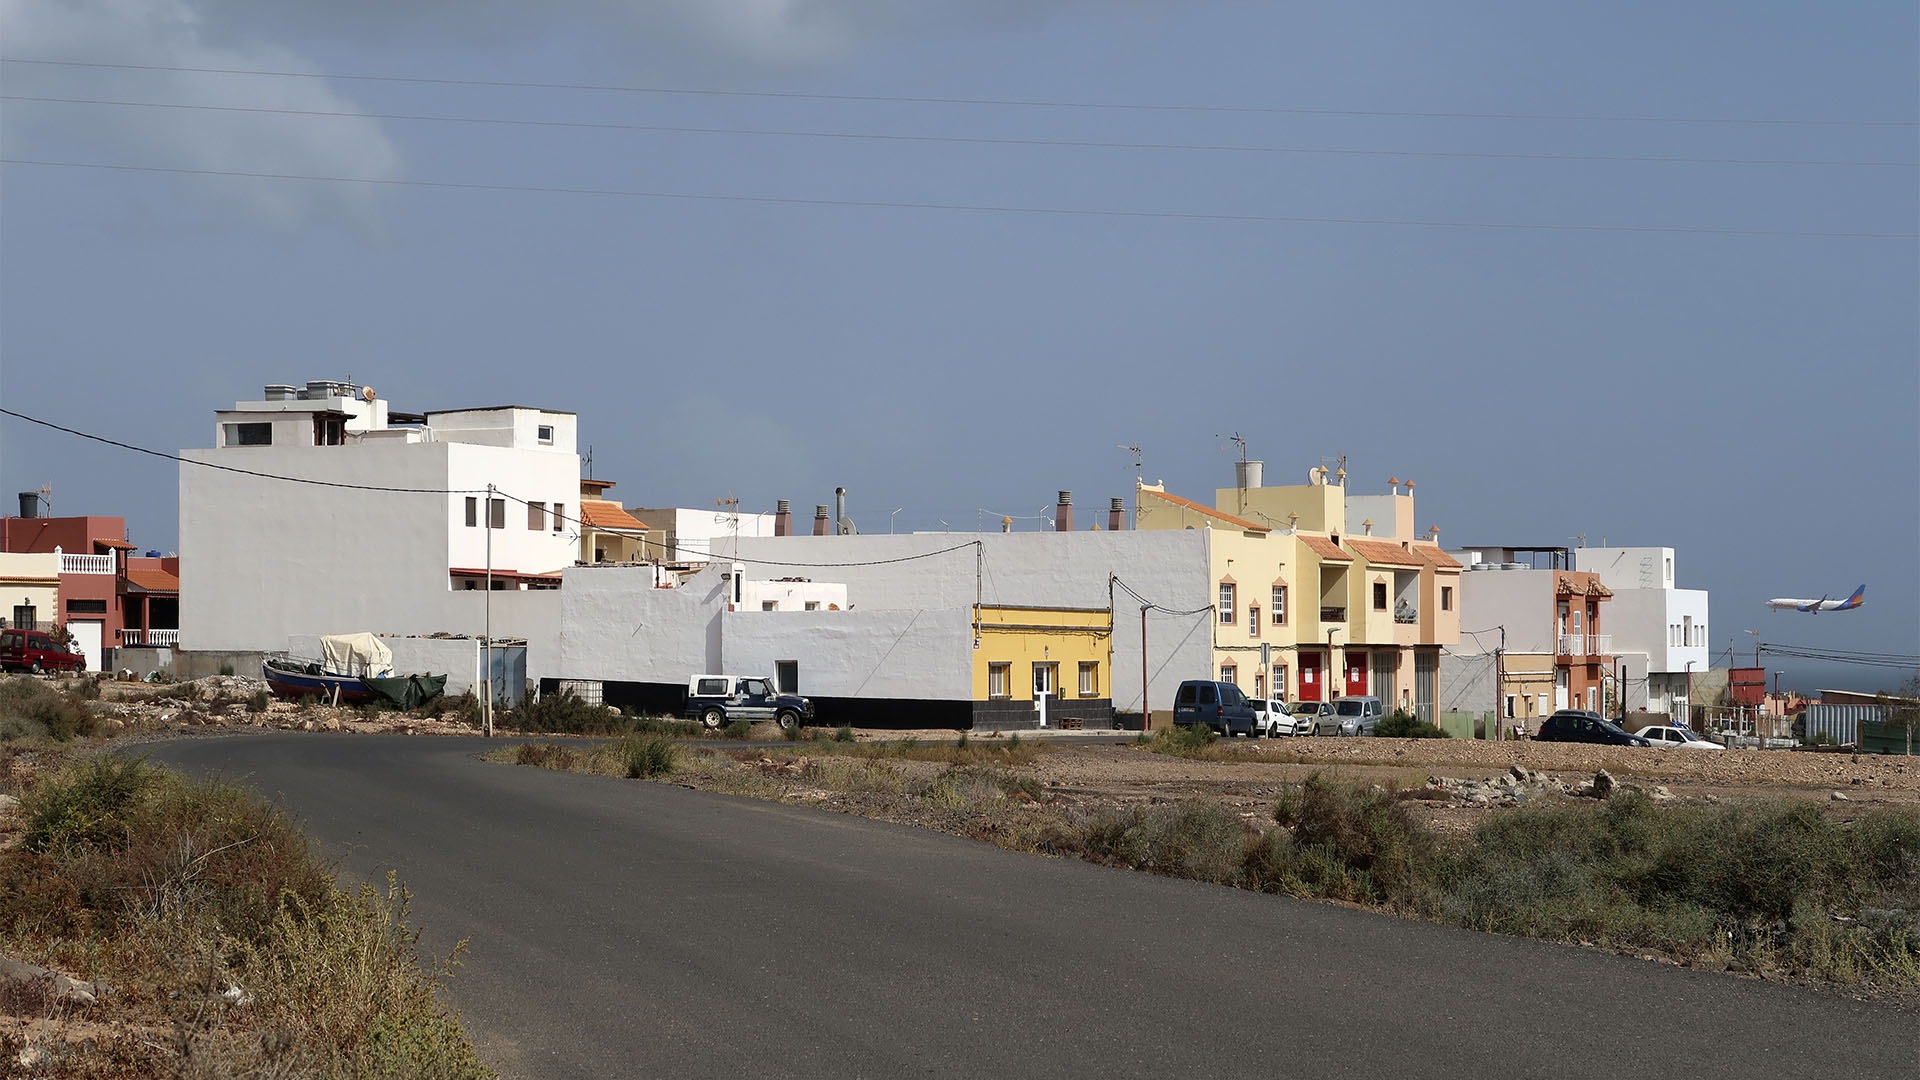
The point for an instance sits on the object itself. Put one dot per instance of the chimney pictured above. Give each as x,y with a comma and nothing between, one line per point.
1117,516
819,521
29,504
783,518
840,510
1063,513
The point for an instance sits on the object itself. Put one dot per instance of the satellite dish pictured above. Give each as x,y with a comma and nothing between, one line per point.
367,392
846,526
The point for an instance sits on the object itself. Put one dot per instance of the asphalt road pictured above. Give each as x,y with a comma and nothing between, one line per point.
625,928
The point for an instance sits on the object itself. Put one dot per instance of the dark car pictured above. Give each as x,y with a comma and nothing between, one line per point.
1218,705
1579,725
31,650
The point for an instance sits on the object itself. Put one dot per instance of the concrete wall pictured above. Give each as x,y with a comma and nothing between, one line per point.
908,655
1045,569
263,559
1520,600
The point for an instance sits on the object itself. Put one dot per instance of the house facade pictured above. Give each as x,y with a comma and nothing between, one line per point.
1549,627
1660,632
1317,593
92,554
349,517
608,533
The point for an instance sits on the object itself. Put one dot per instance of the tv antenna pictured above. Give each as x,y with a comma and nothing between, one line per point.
589,462
1236,440
1138,475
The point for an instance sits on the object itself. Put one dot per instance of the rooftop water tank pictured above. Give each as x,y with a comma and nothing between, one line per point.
280,392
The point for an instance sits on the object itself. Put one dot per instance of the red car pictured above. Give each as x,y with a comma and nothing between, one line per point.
31,650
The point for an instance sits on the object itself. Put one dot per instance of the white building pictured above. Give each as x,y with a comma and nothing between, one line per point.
1659,632
678,534
906,602
349,517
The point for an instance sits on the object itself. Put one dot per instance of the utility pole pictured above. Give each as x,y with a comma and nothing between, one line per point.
1146,710
486,639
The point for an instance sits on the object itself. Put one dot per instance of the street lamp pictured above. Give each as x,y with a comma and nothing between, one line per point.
896,510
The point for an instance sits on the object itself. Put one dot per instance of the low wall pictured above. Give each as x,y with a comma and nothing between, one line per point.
199,663
143,660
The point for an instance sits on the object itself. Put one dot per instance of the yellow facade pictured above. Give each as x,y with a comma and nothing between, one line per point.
1072,648
30,581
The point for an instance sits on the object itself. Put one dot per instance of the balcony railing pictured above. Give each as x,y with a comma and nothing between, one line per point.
87,564
149,637
1586,644
1333,614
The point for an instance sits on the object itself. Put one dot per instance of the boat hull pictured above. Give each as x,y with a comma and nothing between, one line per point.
290,682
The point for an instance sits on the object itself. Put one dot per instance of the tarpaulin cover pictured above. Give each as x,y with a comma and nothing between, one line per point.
356,654
407,691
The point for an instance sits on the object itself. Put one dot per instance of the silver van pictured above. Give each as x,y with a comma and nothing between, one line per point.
1354,715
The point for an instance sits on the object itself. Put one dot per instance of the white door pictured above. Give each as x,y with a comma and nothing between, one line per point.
86,638
1560,689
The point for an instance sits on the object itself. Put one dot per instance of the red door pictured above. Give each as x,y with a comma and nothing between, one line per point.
1356,673
1309,676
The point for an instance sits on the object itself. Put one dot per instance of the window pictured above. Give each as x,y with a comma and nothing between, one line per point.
1279,605
1509,706
473,511
1686,623
25,615
496,513
545,434
1253,620
1279,680
1576,620
1089,678
711,688
559,515
1226,603
766,605
1259,684
536,516
813,605
1379,596
997,680
1045,678
1229,674
1446,598
249,434
86,607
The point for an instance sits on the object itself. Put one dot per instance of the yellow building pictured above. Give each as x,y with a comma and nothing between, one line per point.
1026,653
29,589
1320,593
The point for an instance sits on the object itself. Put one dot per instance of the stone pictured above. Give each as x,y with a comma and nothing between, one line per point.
7,803
1841,796
1603,784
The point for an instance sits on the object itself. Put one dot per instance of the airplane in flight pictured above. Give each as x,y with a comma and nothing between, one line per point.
1815,607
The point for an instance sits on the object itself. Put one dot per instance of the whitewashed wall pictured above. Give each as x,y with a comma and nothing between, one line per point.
615,626
1037,568
262,559
917,655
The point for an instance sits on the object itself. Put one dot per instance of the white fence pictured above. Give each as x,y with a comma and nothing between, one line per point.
1586,644
87,564
149,637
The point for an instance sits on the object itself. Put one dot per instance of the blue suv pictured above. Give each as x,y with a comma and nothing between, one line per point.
1218,705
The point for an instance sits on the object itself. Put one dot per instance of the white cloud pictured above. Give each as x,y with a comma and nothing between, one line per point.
173,34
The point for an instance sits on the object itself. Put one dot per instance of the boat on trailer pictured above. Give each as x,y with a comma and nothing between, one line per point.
291,677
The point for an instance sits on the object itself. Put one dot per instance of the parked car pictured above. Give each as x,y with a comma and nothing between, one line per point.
1357,714
1219,705
1272,719
1581,725
1306,712
718,700
1677,737
31,650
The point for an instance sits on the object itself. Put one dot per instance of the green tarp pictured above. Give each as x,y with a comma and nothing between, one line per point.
407,691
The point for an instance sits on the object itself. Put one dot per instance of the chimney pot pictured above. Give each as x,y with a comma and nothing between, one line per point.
819,521
1063,513
1117,516
783,518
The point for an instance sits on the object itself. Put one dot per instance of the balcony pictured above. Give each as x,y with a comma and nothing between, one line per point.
1586,644
1333,614
87,564
149,637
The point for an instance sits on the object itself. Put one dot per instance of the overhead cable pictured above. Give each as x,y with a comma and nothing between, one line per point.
1064,211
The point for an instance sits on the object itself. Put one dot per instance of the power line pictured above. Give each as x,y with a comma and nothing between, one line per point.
455,491
1063,211
994,102
1074,144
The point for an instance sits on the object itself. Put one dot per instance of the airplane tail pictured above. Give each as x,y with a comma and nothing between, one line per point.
1859,597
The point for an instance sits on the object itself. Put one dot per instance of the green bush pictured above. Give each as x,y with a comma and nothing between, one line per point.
843,733
646,756
736,729
32,708
1406,726
966,787
564,713
1186,740
85,805
1197,838
1354,841
259,701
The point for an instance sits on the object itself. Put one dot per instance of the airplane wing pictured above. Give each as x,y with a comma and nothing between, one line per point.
1813,607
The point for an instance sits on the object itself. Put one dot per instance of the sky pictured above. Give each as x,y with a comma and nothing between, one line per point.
1641,273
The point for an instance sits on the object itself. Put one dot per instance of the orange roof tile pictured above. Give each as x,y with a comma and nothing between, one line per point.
1238,523
1324,547
152,579
1385,553
600,514
1436,558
